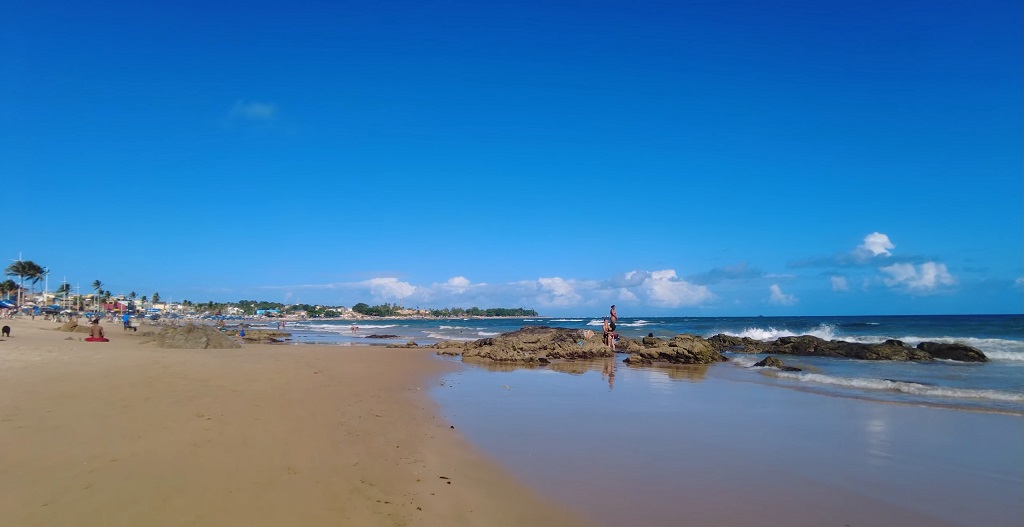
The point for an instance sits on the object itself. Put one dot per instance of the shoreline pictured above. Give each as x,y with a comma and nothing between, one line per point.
122,433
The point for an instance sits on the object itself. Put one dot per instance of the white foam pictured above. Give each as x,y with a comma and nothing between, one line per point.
823,331
487,333
635,324
455,327
1005,355
746,362
904,387
994,349
567,320
440,336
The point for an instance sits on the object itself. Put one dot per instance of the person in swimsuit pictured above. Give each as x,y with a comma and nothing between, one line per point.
96,331
609,334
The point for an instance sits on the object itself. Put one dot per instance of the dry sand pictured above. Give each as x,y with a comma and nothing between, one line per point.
123,433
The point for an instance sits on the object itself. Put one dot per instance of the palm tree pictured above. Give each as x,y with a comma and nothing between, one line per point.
7,287
98,286
38,273
23,269
156,298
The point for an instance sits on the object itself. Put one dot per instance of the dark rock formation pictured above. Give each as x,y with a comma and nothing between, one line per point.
681,349
774,362
960,352
259,335
737,344
769,362
532,344
807,345
376,336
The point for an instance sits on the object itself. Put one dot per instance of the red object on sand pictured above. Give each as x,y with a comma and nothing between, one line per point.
97,339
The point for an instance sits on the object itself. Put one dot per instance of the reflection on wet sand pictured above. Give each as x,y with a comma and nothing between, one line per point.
608,372
607,367
685,372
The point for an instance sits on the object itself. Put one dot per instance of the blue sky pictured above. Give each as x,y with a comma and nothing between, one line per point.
673,158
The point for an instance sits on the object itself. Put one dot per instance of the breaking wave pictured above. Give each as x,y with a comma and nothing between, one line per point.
904,387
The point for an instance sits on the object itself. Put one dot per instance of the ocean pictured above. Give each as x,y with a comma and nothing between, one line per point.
996,386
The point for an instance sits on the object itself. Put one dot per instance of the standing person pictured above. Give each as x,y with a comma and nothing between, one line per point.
127,319
609,336
614,316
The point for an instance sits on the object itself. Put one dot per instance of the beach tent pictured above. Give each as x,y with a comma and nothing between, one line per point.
8,304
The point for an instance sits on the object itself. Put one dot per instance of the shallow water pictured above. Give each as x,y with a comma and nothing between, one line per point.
719,445
994,386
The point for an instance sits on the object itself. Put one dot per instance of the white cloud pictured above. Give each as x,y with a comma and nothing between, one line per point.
839,283
875,244
389,288
780,298
925,277
558,292
665,289
253,111
661,289
456,284
1019,282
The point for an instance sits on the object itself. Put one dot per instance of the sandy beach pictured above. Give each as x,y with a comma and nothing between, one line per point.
125,433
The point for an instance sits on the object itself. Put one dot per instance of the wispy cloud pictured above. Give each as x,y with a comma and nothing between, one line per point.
779,298
920,279
252,111
874,248
839,283
741,271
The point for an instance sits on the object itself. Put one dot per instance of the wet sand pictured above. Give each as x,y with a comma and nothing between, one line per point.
704,446
123,433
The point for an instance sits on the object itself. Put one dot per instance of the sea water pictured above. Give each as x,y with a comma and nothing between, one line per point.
996,386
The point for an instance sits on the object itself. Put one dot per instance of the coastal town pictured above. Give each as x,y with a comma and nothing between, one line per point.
21,298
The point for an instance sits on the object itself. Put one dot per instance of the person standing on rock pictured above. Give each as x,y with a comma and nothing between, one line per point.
614,317
609,335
